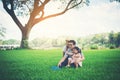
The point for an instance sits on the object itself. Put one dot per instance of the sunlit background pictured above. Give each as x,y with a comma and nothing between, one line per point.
100,16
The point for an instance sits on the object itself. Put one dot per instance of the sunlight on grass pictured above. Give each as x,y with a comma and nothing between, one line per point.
37,64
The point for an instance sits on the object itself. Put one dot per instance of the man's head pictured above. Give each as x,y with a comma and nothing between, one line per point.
71,44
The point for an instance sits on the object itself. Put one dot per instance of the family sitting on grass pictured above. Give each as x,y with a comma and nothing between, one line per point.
72,55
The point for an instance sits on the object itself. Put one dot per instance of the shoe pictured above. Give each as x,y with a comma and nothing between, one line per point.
68,66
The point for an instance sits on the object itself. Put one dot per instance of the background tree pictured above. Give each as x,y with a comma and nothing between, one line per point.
2,32
35,9
117,39
11,42
115,0
111,38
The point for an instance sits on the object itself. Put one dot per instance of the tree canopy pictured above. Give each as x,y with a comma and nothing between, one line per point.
114,0
36,10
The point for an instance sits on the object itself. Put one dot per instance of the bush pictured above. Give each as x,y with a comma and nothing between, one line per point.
93,47
112,46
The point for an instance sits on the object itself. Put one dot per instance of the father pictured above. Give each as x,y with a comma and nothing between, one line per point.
64,61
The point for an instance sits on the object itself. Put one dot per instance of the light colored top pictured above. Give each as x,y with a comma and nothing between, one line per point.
68,53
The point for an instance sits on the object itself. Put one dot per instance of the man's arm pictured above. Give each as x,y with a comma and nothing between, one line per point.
63,58
82,57
69,53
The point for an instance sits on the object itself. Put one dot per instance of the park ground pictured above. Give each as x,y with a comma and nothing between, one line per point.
37,65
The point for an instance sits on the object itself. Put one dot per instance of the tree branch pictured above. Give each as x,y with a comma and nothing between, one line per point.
37,9
36,3
41,2
28,8
76,4
5,6
42,13
69,3
54,15
60,13
41,7
12,14
11,2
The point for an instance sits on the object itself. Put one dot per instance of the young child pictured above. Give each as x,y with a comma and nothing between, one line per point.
76,58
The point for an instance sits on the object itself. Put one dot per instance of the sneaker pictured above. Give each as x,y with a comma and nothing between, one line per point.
68,66
80,64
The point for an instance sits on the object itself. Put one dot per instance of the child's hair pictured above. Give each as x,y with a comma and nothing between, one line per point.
78,49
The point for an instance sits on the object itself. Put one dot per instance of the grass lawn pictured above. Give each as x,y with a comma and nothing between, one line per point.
37,65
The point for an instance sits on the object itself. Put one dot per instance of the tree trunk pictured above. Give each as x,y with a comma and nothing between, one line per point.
25,37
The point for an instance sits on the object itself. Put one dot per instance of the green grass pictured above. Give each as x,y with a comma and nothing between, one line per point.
36,65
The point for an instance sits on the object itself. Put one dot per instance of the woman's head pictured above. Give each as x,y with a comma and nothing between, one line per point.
76,50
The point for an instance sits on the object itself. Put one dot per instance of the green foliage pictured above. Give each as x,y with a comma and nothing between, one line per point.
118,40
111,38
94,46
2,31
112,46
25,43
114,39
11,42
97,41
115,0
101,41
47,42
